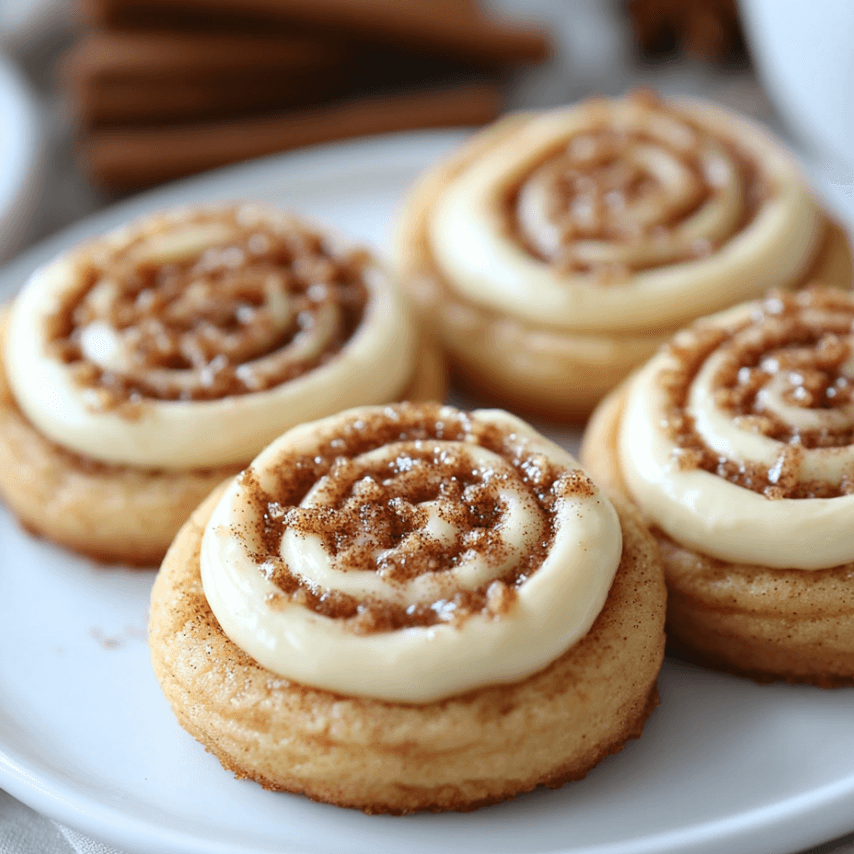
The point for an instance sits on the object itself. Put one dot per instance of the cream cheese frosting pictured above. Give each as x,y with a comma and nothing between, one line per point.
389,526
272,328
676,223
795,435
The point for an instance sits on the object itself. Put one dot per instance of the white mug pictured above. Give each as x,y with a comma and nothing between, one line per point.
803,51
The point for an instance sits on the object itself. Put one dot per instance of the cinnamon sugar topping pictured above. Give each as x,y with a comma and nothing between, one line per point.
406,496
617,195
786,373
212,303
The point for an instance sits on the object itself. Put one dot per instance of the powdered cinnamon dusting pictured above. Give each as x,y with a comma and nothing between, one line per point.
801,341
590,183
200,327
386,501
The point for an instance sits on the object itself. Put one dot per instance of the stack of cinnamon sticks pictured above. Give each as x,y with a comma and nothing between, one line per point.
165,88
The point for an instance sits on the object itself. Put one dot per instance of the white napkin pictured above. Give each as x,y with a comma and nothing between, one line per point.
23,831
84,845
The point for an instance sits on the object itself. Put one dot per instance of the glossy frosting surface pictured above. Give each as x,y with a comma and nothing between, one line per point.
427,552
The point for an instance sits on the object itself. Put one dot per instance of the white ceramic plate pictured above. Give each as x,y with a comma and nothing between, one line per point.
87,738
20,156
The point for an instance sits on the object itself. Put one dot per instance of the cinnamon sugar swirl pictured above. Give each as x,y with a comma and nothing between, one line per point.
555,251
737,444
143,367
410,607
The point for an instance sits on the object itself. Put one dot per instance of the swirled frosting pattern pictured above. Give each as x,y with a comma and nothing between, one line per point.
409,553
738,439
626,215
192,338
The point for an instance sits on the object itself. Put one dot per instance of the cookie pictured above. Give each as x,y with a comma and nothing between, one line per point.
439,610
555,251
735,442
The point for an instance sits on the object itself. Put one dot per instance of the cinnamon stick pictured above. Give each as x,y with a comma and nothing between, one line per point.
151,76
450,27
131,158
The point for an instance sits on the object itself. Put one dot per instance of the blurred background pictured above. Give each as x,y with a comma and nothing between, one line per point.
103,98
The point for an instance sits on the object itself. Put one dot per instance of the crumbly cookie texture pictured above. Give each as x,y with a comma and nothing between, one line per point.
143,367
555,251
414,737
735,443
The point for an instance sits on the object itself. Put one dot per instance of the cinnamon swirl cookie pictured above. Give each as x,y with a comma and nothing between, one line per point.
410,607
144,366
737,444
555,251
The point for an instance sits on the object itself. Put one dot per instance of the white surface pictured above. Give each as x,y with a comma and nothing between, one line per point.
20,153
87,738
